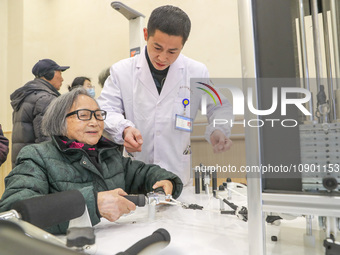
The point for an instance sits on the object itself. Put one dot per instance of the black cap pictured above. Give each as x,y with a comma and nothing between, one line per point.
43,66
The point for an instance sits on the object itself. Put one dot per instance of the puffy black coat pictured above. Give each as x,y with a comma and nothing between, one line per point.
3,147
29,104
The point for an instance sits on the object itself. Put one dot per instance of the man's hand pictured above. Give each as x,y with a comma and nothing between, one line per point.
132,139
220,142
112,204
166,185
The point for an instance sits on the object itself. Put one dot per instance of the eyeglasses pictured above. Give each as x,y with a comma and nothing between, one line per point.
84,114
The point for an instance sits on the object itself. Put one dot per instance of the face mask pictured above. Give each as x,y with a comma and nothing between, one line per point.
91,92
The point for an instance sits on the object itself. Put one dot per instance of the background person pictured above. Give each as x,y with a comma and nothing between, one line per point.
30,102
79,157
103,76
150,88
3,147
85,82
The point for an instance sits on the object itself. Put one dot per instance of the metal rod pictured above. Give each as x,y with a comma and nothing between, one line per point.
316,39
333,114
304,58
337,98
309,225
214,180
256,223
197,182
335,41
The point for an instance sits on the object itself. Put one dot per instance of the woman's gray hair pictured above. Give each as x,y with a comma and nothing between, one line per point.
54,120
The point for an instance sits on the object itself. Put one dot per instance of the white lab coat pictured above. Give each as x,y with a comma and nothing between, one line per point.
130,89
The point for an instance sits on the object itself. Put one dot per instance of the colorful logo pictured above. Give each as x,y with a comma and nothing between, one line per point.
209,93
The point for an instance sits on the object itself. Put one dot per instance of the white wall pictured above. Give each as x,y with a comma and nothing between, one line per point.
3,65
89,35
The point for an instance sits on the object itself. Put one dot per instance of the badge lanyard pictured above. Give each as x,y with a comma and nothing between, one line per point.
185,103
182,122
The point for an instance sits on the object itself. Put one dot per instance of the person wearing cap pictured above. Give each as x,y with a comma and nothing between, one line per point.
29,104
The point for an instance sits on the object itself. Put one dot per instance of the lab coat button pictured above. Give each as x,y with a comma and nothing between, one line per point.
84,162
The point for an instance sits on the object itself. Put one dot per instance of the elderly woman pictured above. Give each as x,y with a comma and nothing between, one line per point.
79,157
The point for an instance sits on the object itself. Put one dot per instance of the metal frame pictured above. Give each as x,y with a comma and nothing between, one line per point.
136,25
260,202
301,204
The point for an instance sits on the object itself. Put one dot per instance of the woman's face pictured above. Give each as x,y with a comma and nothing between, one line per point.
84,131
87,84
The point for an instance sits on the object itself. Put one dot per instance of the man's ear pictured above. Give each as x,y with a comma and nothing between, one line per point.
145,30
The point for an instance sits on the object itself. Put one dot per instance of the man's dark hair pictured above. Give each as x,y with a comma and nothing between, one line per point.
170,20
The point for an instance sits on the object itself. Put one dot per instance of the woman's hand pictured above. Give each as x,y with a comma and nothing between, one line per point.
166,185
112,204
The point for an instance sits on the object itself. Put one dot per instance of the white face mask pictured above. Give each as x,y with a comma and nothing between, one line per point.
91,92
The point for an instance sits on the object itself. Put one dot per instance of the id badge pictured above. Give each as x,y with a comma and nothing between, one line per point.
183,123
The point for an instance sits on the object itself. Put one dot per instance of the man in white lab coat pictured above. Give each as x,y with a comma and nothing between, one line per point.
153,90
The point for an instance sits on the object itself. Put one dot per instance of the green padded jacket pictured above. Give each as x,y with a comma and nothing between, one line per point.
47,168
